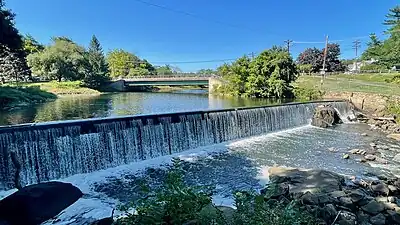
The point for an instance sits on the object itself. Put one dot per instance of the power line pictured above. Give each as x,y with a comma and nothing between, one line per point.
192,15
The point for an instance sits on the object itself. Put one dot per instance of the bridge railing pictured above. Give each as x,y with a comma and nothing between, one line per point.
183,75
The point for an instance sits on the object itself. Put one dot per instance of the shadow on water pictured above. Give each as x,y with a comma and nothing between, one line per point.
225,172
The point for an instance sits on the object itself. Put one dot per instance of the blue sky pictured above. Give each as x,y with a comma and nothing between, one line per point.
221,29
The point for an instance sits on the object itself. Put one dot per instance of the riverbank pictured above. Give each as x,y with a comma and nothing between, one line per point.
11,97
376,94
64,88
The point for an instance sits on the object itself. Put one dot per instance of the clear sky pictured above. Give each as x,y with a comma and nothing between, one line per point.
201,30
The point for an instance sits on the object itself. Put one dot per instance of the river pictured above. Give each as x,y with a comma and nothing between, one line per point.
119,104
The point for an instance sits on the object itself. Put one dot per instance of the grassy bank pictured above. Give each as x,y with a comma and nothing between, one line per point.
367,83
64,88
17,96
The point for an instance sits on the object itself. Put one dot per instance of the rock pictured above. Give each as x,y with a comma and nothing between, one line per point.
324,199
301,181
393,189
347,202
370,157
362,152
337,194
364,134
391,199
37,203
383,147
347,218
363,218
356,195
393,217
381,160
380,189
379,219
276,191
346,156
329,212
373,145
325,116
309,199
373,207
362,160
394,136
354,151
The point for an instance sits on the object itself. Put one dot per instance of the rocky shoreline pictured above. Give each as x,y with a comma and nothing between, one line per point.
335,199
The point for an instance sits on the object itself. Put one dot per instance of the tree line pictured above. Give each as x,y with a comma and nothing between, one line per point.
385,53
23,58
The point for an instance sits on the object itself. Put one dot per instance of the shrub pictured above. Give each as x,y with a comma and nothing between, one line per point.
308,94
14,95
373,67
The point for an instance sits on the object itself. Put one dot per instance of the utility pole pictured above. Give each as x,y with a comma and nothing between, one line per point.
288,44
356,46
324,63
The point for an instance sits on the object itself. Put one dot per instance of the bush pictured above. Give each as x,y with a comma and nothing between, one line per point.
11,96
373,67
254,209
308,94
177,203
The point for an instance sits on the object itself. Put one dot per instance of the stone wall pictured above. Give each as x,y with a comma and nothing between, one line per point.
368,102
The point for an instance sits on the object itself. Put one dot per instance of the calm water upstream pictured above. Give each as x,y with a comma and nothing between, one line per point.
118,104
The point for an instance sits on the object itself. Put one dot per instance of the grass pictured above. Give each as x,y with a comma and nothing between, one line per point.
64,88
13,96
368,83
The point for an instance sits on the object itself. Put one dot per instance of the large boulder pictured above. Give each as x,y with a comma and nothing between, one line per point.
37,203
325,116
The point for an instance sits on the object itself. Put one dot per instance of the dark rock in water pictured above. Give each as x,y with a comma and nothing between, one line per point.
325,116
379,219
373,207
380,189
329,212
105,221
393,217
37,203
347,218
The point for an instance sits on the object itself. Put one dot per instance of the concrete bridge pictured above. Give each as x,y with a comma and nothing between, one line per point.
125,84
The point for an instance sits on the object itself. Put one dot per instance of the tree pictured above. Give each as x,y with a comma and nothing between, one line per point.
30,45
166,70
12,57
63,59
236,75
374,48
315,57
311,56
306,68
333,63
271,74
125,64
98,73
206,71
393,17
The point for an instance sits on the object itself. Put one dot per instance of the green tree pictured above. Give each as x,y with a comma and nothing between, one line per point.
63,59
206,71
271,74
306,68
393,17
125,64
333,63
236,75
12,57
164,70
98,73
374,48
31,45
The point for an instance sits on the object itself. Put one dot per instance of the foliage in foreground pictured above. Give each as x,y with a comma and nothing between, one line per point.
307,93
12,96
177,203
267,75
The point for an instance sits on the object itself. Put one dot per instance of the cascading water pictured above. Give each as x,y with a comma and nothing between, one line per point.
55,150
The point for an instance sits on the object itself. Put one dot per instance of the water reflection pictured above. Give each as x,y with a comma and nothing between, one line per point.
118,104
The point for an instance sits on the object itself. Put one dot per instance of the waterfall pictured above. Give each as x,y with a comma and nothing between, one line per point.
55,150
